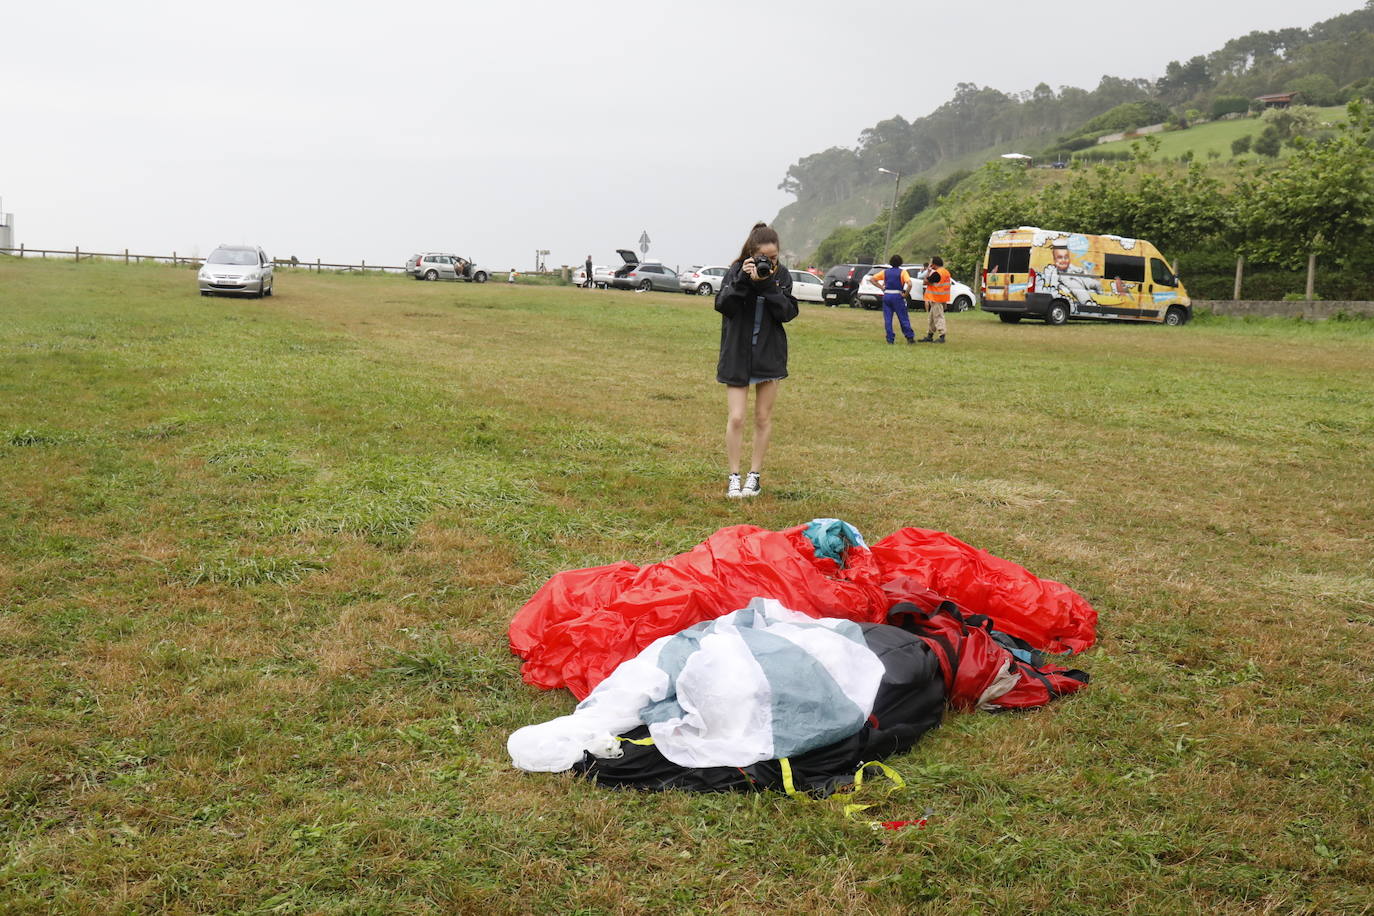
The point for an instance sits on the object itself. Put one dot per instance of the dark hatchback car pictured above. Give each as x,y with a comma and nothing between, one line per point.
842,284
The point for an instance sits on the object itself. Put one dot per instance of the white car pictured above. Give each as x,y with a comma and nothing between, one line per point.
702,281
871,297
236,269
579,277
807,287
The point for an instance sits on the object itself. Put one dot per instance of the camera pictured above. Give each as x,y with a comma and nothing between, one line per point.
763,266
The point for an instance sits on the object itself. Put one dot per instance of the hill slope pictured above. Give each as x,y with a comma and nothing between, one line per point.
1328,63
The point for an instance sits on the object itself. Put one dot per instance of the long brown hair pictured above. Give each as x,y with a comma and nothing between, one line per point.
761,234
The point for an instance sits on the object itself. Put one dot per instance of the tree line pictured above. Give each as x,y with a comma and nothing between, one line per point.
1329,63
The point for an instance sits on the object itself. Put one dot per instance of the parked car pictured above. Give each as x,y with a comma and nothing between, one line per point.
643,275
842,284
579,276
649,275
236,269
702,281
602,276
438,265
807,287
871,297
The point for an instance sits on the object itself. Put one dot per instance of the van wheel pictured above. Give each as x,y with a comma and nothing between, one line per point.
479,277
963,304
431,275
1058,313
1175,317
1009,319
704,290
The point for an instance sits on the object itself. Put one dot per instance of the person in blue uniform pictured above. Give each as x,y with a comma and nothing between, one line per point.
895,284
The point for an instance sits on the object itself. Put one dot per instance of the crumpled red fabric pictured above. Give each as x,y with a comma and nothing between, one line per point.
581,624
1047,614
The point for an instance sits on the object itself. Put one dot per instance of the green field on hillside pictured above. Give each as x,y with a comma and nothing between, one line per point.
1214,136
258,558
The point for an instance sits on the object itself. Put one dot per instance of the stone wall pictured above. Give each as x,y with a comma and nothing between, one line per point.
1312,311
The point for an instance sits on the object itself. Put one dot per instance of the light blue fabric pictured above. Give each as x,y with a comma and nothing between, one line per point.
809,709
831,538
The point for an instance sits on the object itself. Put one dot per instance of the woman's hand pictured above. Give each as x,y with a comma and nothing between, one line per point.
749,269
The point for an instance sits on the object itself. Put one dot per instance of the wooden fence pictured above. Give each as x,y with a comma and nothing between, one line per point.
174,258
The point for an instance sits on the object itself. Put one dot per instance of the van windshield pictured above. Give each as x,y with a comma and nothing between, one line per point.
1009,260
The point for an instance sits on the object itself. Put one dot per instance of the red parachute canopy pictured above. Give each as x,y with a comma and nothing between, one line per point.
583,623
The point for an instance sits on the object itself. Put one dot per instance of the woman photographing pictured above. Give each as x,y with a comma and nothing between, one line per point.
754,302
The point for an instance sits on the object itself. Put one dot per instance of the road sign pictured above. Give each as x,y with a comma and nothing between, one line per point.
644,242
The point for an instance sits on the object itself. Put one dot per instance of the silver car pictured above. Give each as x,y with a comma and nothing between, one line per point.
703,281
438,265
236,269
643,276
648,275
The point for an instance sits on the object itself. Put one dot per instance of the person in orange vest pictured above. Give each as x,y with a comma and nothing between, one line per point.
937,284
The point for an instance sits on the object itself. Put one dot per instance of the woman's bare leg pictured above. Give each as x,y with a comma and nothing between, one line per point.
738,401
765,393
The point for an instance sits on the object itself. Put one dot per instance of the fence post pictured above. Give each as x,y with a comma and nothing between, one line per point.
174,259
1240,273
317,265
364,266
1311,274
78,254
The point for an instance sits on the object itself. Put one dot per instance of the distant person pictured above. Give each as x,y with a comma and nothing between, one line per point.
895,284
937,286
510,277
754,302
587,280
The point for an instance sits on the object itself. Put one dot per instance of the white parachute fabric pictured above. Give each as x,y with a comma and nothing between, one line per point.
756,684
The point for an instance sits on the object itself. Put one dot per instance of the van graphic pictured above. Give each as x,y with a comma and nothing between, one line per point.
1042,273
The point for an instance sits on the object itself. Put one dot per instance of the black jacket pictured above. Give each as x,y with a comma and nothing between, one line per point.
740,358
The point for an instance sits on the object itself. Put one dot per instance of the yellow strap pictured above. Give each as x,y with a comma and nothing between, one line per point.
897,783
642,742
788,785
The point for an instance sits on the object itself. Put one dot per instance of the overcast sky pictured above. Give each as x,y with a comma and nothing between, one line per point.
354,131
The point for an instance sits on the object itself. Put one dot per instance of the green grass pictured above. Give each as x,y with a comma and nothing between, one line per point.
1214,136
257,559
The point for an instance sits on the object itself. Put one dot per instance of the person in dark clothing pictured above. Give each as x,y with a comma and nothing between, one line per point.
755,301
587,280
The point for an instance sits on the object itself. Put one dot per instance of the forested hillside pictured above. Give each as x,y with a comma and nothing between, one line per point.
1328,63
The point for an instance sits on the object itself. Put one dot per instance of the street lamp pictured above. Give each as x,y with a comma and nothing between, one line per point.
887,244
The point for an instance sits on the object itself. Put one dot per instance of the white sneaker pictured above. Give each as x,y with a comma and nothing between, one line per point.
734,492
751,485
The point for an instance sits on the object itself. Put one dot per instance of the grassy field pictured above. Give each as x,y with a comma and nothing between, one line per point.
257,559
1214,136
